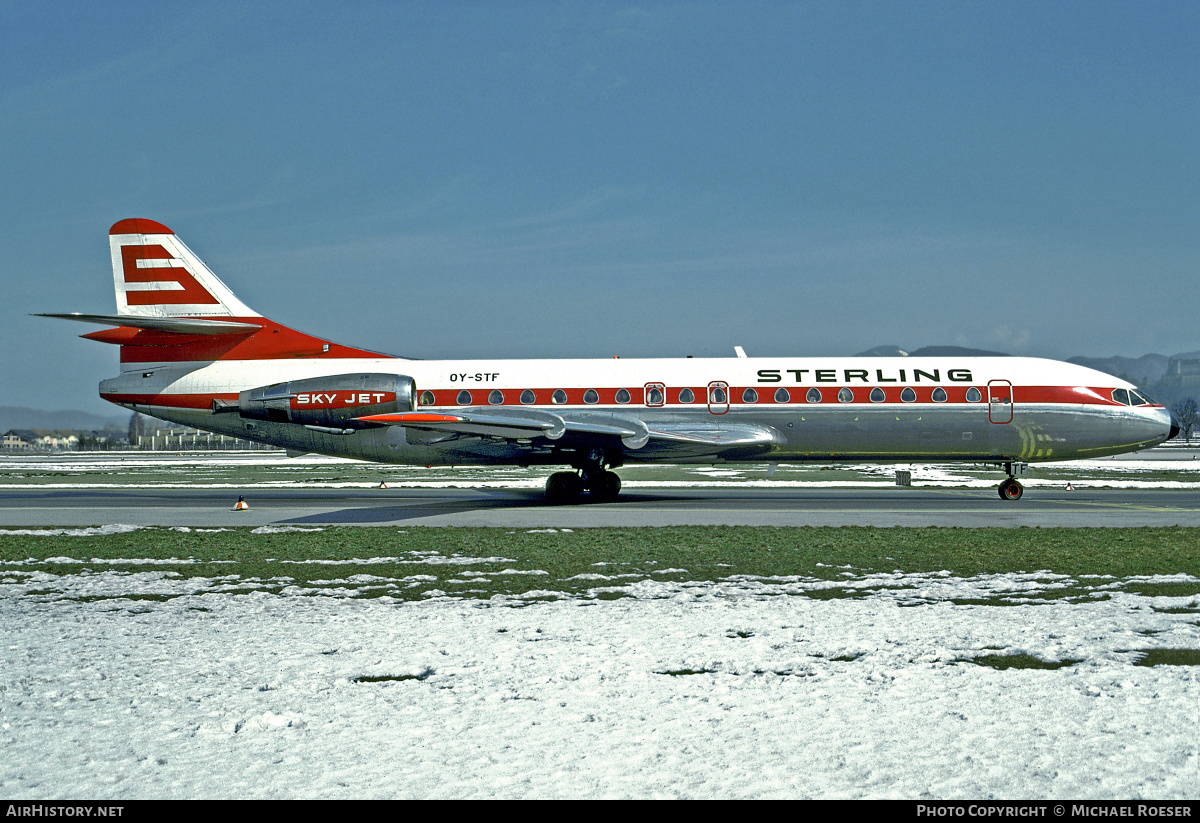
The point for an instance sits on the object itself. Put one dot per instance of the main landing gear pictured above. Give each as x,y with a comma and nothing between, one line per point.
1011,489
601,485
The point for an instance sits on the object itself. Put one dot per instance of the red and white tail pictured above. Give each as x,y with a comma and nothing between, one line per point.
171,308
156,275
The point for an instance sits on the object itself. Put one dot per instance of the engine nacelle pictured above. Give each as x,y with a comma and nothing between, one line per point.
327,402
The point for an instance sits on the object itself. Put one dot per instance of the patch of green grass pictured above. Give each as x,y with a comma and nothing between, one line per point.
415,561
1169,657
1000,662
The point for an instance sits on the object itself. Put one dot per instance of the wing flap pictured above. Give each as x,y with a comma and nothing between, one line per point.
511,425
687,438
719,435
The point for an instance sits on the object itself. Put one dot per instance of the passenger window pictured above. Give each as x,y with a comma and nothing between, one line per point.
426,398
686,396
845,396
749,396
908,395
813,396
464,398
973,395
877,395
654,397
496,397
623,396
939,395
527,396
717,396
558,397
782,396
1121,396
590,396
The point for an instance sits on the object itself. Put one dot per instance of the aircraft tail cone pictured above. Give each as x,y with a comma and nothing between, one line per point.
241,506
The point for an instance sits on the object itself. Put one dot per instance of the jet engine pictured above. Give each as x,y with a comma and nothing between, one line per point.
332,402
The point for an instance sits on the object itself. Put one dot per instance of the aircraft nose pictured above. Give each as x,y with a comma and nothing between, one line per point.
1174,428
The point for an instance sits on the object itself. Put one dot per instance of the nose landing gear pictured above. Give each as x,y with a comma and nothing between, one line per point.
1011,489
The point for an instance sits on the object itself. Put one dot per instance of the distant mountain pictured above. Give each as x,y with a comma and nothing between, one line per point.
956,351
22,417
1148,368
883,351
930,351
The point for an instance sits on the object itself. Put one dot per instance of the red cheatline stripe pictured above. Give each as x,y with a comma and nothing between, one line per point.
1022,396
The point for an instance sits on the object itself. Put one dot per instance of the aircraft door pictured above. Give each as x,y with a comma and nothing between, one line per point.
1000,401
718,397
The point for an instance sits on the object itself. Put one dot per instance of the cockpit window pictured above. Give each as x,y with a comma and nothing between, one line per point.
1140,399
1120,396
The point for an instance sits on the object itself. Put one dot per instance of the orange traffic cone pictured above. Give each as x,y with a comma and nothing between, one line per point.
241,505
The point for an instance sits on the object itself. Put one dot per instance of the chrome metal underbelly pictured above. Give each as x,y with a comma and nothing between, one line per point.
926,433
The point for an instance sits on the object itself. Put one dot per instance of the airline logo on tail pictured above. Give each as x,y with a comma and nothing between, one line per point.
156,275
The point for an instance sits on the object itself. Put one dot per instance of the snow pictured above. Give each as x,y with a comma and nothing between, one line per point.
129,684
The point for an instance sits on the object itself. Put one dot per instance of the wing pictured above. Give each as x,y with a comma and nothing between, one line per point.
681,438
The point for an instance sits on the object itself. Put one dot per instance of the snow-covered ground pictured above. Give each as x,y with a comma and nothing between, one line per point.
140,683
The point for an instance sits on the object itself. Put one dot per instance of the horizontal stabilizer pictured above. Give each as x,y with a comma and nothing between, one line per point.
176,325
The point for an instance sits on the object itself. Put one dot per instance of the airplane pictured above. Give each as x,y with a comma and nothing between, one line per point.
192,353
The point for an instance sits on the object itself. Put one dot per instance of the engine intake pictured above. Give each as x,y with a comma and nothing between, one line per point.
331,402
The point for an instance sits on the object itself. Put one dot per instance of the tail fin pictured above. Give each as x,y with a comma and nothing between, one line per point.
156,275
172,309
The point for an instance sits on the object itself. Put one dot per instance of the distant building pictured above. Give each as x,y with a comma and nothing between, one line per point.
182,438
1182,377
19,439
40,440
58,441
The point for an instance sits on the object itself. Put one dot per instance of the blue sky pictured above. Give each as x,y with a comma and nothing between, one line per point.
537,179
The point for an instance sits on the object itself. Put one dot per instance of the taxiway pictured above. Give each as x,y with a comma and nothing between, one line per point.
1106,507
